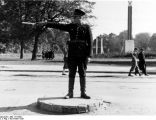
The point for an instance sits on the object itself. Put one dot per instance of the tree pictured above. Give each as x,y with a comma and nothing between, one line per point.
62,12
152,42
142,40
113,43
13,12
16,11
55,11
121,40
57,37
61,39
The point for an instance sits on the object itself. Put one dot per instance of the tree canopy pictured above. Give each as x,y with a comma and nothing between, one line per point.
142,40
14,12
152,42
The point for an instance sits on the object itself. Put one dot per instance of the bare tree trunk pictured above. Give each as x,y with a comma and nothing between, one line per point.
34,53
22,49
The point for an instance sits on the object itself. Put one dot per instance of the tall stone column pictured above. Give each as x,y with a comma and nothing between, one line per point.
129,43
102,45
130,20
96,46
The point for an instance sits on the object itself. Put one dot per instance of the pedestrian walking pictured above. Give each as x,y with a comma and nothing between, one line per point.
134,64
43,54
142,62
65,60
79,50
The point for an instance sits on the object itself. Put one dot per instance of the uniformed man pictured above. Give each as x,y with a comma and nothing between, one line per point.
79,51
142,62
134,65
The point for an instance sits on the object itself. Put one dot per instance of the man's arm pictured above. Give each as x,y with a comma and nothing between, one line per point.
64,27
89,42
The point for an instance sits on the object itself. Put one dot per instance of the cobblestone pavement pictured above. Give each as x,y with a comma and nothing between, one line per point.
22,85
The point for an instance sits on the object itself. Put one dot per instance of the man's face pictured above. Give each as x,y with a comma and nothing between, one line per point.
77,18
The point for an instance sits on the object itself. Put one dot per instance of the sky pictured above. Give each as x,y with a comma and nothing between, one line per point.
112,16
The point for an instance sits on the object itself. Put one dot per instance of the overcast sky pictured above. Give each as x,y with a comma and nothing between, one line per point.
112,16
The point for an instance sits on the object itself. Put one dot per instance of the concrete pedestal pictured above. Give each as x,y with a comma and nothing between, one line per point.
71,106
129,46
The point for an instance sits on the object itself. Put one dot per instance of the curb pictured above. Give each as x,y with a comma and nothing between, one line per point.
109,62
71,106
121,72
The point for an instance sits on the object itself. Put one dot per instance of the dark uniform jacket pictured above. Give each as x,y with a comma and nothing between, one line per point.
80,37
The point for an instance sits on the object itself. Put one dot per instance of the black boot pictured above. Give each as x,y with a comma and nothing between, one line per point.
83,95
70,88
83,88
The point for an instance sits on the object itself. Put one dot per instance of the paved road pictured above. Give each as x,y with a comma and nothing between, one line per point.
22,85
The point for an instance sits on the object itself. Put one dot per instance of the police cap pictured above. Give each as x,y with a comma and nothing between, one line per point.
78,12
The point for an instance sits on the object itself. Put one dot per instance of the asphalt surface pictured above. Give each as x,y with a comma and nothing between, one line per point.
21,86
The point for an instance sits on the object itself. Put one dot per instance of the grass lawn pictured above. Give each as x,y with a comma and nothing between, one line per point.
12,58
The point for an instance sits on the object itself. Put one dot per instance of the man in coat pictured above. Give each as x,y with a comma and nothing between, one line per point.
142,62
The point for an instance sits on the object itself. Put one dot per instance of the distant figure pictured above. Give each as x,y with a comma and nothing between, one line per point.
43,54
65,66
65,59
134,64
48,54
51,54
142,62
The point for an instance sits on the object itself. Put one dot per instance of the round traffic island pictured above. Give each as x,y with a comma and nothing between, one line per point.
70,106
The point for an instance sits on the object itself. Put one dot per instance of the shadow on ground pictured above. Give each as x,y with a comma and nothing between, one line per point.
34,107
109,76
31,107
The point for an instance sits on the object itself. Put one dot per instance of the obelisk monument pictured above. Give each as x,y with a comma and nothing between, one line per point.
129,43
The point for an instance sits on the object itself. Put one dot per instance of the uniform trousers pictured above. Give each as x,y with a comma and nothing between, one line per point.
81,64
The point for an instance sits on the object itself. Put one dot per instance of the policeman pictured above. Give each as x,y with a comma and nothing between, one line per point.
79,51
